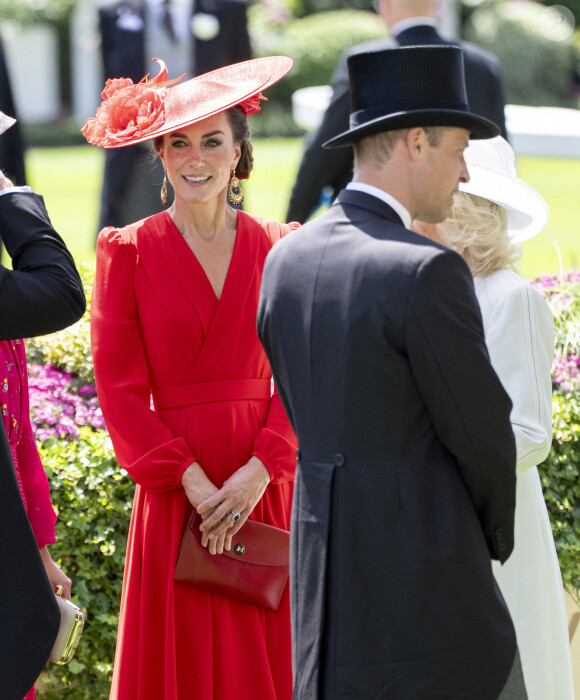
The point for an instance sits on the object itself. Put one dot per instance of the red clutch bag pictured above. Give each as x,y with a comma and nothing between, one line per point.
254,571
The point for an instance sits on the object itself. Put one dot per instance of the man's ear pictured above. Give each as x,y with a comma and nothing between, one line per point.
416,142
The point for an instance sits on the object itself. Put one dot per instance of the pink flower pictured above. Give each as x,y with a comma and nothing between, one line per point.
129,111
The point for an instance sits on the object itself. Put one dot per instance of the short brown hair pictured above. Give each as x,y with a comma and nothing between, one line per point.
378,147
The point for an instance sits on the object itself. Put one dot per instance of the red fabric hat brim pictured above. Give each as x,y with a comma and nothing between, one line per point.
206,95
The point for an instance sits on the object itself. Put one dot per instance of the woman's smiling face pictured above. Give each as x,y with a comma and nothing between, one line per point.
200,158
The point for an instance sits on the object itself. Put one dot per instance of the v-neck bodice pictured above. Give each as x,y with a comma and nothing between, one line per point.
185,327
188,250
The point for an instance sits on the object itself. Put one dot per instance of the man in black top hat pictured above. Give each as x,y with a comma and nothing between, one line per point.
405,485
410,23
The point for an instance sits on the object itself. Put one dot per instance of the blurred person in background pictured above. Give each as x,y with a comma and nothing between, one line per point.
42,293
409,23
491,215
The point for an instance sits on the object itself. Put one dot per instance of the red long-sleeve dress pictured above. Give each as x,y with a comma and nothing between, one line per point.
159,331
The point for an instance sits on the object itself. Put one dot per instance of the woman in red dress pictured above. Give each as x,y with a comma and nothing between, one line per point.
185,388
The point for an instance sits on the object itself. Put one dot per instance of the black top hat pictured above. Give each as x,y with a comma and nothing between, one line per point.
408,87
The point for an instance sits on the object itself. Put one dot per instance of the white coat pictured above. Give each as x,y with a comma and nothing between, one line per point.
518,326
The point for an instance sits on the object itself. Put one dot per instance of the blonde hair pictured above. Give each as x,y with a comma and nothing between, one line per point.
477,229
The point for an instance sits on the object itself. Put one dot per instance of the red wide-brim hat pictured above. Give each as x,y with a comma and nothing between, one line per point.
131,113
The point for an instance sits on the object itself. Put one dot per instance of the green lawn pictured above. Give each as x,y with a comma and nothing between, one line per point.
70,180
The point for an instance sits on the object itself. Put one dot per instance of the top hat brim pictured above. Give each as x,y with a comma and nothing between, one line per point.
5,122
478,127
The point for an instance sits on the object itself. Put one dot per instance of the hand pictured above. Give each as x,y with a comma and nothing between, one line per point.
4,181
56,575
239,494
196,485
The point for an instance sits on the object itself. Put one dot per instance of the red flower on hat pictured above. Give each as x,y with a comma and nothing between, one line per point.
252,104
129,110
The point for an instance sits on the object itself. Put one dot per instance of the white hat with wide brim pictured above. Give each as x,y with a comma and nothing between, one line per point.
492,175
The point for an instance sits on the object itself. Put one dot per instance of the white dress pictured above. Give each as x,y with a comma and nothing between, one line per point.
519,333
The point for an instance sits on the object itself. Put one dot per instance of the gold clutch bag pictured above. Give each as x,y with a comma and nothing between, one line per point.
72,621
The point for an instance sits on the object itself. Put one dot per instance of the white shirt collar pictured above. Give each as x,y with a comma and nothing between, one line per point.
404,24
385,197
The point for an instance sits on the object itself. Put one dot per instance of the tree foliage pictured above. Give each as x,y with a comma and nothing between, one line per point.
31,11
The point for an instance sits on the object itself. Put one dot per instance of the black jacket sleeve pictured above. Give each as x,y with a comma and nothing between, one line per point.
447,353
43,292
322,167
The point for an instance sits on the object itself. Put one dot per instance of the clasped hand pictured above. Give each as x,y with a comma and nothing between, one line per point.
239,494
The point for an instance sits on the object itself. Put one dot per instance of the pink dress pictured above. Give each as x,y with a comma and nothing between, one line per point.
30,473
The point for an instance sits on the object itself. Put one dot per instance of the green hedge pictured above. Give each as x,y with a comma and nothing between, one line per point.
93,499
70,349
539,68
560,475
315,43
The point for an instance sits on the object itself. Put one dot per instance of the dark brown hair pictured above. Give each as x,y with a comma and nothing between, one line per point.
241,132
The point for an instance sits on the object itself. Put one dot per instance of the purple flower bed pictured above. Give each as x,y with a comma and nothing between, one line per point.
550,285
60,403
566,372
562,292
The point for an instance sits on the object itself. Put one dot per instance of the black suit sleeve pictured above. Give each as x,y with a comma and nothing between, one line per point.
447,352
43,293
328,167
485,85
321,167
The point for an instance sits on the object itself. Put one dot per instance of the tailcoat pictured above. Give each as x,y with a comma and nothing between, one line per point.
406,474
182,377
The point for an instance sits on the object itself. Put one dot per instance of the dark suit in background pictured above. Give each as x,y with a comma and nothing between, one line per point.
43,293
231,44
131,183
133,175
11,141
320,168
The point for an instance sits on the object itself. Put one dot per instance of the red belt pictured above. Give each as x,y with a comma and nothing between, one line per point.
210,392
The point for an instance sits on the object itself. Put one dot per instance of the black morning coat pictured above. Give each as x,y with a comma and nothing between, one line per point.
405,486
43,294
